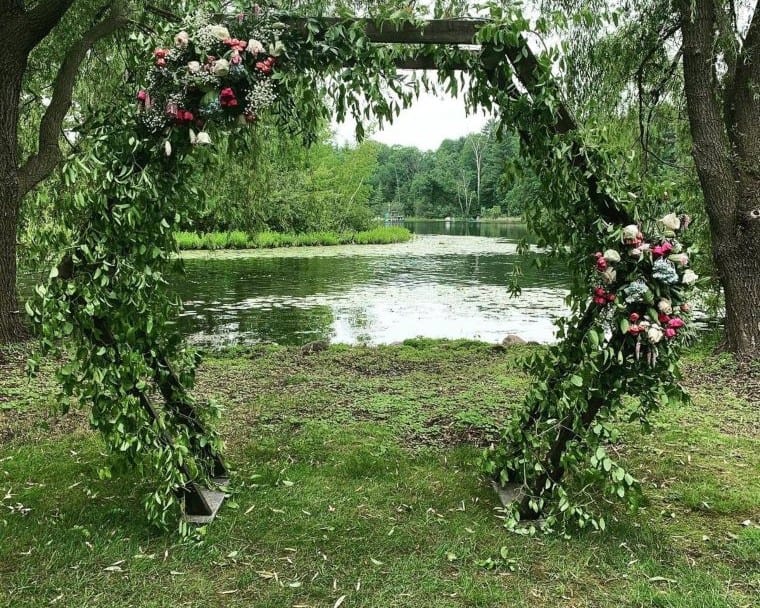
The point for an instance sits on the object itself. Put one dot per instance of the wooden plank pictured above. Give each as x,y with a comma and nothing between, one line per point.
435,31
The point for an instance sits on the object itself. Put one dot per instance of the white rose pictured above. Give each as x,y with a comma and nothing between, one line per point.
219,32
665,306
221,67
679,258
182,39
203,139
609,275
630,232
255,47
612,256
671,221
194,67
654,334
689,277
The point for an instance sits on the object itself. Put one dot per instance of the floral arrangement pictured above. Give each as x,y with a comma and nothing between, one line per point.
641,283
213,73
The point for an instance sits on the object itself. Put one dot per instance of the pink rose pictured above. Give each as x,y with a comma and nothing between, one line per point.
670,333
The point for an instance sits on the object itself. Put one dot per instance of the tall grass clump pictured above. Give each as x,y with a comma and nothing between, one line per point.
237,239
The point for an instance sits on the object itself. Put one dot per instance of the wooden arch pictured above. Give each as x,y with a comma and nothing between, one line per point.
201,503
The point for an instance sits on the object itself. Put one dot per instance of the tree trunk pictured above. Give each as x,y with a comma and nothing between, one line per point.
12,327
725,150
738,268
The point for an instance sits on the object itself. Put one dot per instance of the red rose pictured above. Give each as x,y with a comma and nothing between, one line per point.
634,317
611,297
663,318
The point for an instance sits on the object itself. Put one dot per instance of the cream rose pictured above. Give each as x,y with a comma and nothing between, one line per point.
609,275
194,67
611,256
221,67
255,47
630,232
202,139
654,334
665,307
182,39
219,32
671,221
689,277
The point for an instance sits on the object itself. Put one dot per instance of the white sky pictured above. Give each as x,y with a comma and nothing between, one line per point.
431,119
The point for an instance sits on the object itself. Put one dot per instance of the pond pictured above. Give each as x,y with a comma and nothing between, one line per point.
450,281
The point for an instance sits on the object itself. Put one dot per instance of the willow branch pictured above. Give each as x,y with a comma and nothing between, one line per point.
40,165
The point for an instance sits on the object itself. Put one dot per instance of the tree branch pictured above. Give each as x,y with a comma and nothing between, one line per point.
40,165
41,19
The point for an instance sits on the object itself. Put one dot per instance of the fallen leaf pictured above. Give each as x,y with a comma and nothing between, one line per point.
341,599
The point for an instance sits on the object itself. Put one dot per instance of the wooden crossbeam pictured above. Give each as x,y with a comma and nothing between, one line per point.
435,31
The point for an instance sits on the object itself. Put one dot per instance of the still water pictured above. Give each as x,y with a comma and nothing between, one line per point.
450,281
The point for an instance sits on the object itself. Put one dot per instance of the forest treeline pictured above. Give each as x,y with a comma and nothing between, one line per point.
285,187
265,180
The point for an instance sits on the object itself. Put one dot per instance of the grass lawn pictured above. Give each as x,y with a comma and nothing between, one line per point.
356,484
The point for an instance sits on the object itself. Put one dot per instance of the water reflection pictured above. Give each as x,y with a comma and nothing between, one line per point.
509,231
438,285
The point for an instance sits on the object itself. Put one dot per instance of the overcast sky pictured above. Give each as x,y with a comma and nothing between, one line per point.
430,120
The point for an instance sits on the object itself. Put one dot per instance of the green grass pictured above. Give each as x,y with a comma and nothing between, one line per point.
355,476
268,240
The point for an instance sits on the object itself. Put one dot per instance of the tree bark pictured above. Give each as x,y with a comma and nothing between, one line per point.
726,148
12,66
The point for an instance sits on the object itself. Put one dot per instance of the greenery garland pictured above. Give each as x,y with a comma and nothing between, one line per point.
106,302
